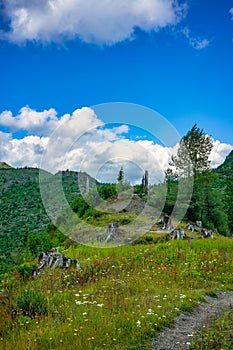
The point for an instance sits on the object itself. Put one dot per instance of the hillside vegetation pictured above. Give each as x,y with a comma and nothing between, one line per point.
22,215
120,299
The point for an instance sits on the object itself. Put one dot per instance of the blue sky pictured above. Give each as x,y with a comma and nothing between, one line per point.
173,57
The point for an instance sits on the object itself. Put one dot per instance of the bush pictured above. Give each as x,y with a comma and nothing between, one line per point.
25,270
32,303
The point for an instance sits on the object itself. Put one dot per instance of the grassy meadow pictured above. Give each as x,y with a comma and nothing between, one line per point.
120,299
217,336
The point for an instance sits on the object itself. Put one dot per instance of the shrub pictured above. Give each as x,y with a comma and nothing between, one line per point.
25,270
32,303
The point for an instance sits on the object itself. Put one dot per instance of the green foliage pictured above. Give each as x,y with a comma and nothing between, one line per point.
22,213
207,203
123,186
120,299
225,170
120,176
157,196
138,189
79,206
229,200
107,191
217,336
25,270
32,303
193,153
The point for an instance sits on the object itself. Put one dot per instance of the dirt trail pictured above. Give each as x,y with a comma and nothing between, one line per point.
188,324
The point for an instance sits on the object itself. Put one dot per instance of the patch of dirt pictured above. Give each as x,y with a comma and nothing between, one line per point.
188,324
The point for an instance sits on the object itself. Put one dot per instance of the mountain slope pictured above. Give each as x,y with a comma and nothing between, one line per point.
4,165
21,208
225,170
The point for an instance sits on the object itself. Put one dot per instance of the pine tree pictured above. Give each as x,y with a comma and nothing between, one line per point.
120,177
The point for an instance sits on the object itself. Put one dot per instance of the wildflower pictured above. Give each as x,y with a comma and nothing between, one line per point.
182,296
100,305
138,323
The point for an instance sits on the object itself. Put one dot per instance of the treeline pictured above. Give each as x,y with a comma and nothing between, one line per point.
208,202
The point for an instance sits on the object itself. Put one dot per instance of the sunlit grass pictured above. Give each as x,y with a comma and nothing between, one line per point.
120,299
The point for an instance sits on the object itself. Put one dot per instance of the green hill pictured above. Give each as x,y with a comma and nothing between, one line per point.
21,208
22,213
225,169
4,165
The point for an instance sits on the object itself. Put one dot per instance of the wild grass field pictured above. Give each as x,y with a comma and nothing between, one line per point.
120,299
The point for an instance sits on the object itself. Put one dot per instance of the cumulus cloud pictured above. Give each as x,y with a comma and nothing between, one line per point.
30,120
101,22
45,122
23,152
81,141
105,159
195,42
219,153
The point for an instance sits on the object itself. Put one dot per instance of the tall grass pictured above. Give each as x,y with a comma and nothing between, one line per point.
218,336
120,299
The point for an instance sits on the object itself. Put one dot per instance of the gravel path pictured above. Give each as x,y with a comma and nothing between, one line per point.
189,323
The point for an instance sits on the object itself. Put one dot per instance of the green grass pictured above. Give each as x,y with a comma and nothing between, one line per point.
218,336
120,299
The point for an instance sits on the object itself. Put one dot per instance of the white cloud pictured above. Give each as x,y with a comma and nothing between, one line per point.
195,42
92,21
4,137
219,153
231,12
43,123
105,159
82,142
23,152
30,120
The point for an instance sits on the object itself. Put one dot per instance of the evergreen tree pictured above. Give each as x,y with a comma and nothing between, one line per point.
120,177
229,201
145,182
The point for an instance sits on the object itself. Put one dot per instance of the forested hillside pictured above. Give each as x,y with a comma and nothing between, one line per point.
225,170
77,306
25,227
22,212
